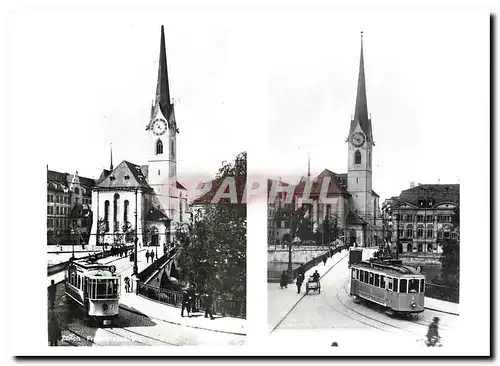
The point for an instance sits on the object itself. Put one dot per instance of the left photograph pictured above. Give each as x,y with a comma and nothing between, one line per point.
146,219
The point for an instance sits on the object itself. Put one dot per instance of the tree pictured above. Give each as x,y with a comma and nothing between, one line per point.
213,253
450,260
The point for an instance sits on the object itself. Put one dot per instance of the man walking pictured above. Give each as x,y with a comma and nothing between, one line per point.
147,256
186,303
208,300
52,294
54,329
152,255
300,279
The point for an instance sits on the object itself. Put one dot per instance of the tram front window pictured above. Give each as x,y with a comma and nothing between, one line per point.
413,285
101,289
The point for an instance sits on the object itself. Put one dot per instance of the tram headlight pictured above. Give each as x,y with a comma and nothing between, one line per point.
414,305
105,307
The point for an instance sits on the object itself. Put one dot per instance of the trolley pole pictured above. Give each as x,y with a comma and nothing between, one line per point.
135,269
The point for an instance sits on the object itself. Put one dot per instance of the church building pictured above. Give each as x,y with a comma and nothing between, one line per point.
144,200
348,200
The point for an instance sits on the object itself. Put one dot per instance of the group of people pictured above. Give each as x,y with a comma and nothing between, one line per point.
150,255
189,302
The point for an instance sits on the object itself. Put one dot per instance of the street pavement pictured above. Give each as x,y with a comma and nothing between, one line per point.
333,316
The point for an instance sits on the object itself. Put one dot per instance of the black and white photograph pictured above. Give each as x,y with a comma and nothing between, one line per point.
278,179
143,247
364,188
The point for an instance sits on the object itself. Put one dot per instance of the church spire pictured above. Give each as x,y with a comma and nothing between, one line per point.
361,110
361,115
111,151
309,165
162,89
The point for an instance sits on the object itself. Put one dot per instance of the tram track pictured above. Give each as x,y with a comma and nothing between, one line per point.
417,322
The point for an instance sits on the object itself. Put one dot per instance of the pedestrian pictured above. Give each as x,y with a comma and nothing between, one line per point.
186,303
208,302
432,333
331,253
324,260
284,280
152,255
52,294
147,256
127,284
300,279
164,249
54,329
192,298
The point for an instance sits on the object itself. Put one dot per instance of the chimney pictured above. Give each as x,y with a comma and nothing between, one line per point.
412,184
419,184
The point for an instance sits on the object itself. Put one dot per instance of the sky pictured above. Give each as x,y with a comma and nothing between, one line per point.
80,84
426,80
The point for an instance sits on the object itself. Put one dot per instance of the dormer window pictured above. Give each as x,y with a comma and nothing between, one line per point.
111,178
421,202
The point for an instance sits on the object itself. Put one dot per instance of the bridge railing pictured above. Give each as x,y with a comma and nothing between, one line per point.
224,307
440,292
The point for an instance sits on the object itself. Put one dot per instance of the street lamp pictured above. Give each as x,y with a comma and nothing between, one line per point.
72,244
136,239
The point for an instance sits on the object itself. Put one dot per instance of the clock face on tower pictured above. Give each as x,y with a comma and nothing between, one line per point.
358,139
159,126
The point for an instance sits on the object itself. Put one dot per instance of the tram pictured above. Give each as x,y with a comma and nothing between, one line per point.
389,283
94,288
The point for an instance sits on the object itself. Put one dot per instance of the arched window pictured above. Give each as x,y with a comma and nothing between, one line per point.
419,248
430,249
159,147
369,159
125,212
172,152
409,248
115,211
106,215
357,157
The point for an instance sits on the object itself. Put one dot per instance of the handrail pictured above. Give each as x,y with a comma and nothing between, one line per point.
225,307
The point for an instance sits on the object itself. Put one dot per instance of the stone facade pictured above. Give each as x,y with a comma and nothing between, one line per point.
420,218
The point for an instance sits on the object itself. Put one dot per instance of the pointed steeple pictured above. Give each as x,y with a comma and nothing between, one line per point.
309,165
361,108
111,151
162,99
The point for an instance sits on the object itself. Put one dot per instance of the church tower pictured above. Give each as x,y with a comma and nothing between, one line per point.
360,145
162,131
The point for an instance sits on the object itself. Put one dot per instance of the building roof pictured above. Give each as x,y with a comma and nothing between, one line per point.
155,214
180,186
216,184
361,108
354,219
336,185
438,192
125,175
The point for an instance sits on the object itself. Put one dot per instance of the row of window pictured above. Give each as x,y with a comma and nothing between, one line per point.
58,210
65,199
57,198
408,234
58,223
389,283
423,218
95,288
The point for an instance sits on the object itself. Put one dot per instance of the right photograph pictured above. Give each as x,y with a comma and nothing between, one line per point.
364,201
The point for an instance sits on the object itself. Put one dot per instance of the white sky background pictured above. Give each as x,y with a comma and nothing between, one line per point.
81,82
423,80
